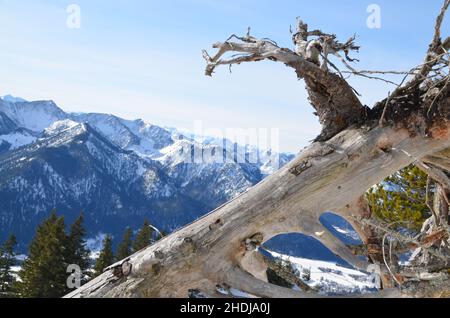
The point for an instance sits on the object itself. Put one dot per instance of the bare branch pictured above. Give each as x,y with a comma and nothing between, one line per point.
436,174
334,100
441,160
385,261
433,56
402,238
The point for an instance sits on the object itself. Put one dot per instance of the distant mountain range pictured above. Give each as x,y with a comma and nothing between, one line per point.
119,172
116,171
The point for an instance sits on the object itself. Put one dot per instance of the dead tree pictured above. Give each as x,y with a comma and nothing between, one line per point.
358,147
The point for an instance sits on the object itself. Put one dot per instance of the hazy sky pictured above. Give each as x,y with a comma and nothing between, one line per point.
142,59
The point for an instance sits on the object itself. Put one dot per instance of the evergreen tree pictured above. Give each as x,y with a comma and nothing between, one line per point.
106,257
400,199
77,253
43,273
7,261
144,237
124,249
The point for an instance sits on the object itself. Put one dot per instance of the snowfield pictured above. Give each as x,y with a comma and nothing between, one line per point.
329,278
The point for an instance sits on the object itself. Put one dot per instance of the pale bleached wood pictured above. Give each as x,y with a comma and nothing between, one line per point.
441,160
202,255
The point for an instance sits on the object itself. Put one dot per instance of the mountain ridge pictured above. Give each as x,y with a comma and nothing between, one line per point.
117,171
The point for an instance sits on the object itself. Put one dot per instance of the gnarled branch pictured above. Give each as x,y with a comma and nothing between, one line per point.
333,98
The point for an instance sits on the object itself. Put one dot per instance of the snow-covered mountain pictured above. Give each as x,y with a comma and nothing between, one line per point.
116,171
35,116
12,99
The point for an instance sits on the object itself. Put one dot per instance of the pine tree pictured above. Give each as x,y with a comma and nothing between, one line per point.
106,257
144,237
7,261
77,253
124,249
401,199
43,273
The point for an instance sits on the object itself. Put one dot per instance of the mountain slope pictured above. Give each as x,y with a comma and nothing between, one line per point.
80,170
116,171
35,116
6,124
11,135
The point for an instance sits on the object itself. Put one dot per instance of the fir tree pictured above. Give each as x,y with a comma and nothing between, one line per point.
124,249
401,199
144,237
43,273
7,261
77,253
106,257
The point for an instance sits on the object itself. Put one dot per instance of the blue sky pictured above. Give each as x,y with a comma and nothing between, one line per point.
142,59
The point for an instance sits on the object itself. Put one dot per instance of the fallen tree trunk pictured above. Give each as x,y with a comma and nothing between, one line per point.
208,252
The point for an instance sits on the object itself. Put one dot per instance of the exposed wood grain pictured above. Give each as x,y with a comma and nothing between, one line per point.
197,257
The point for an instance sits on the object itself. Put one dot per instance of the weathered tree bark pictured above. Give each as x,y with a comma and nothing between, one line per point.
352,154
441,160
333,98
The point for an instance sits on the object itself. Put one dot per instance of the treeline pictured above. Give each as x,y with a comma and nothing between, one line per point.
53,254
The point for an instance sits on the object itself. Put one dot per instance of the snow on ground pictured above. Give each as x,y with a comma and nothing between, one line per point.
17,268
18,139
94,245
34,116
329,278
60,126
349,232
21,257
